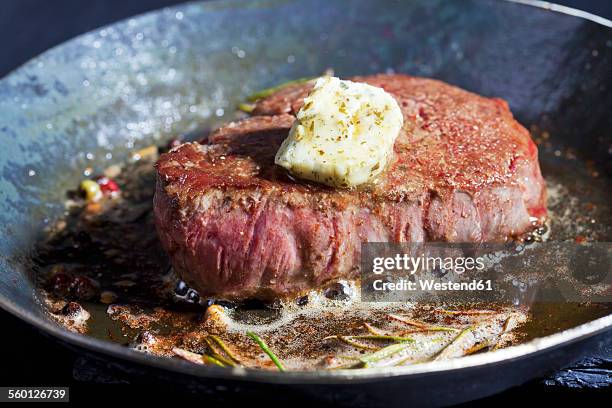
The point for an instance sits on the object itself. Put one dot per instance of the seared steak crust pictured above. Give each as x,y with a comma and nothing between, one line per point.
237,226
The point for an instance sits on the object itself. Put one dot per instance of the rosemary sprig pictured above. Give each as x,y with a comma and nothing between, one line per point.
266,350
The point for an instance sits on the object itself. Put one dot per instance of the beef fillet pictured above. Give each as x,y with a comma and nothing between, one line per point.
237,226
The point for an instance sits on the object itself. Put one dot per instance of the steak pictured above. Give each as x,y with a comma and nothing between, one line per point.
237,226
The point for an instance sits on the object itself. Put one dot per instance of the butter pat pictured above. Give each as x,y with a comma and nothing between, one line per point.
343,135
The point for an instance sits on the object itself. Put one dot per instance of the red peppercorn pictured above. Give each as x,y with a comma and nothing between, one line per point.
580,239
83,288
107,185
60,284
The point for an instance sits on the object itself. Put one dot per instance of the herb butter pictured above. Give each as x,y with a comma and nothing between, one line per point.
343,135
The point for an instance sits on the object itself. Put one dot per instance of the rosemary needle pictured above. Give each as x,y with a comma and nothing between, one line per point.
348,340
476,347
505,328
212,360
266,350
225,348
381,337
443,353
408,321
246,107
269,91
218,355
420,325
466,312
373,330
384,353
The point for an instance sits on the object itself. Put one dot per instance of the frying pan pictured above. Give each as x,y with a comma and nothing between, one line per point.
91,100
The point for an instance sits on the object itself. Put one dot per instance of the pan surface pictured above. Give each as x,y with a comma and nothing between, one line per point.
92,100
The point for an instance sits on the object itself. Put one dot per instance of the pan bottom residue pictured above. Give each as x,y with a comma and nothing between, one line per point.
101,272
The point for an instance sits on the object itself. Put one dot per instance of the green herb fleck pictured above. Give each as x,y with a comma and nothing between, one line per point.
266,350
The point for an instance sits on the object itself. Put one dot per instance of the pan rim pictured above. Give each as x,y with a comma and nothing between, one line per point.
574,12
506,355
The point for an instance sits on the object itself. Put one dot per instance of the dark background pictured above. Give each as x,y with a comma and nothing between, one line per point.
29,27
